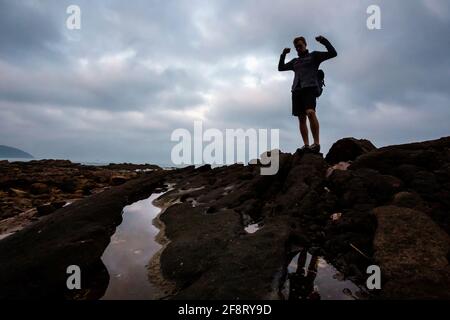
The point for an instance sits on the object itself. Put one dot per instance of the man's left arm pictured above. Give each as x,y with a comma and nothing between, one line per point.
321,56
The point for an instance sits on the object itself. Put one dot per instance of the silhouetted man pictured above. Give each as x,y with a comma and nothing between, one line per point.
305,87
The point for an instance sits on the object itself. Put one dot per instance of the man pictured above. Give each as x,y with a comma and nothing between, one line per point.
305,86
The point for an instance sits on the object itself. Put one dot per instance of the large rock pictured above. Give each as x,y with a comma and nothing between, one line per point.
67,184
18,193
45,209
39,188
117,180
49,208
428,155
410,200
210,255
348,149
411,251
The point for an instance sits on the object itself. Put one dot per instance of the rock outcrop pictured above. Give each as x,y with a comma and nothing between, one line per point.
34,261
412,253
348,149
389,207
37,183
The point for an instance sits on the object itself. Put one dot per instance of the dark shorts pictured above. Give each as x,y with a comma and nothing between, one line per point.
303,99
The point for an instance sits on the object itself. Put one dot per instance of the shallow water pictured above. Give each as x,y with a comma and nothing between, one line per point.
134,244
312,277
129,252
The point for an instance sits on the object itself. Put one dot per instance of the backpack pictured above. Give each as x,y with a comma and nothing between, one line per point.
321,81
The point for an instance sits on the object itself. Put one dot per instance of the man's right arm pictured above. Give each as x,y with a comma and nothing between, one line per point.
285,66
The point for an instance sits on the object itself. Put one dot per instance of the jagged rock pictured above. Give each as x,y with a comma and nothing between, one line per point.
67,184
429,155
339,179
58,204
348,149
39,188
118,180
204,168
383,187
45,209
246,176
79,232
44,181
18,193
425,183
406,172
410,200
343,165
209,255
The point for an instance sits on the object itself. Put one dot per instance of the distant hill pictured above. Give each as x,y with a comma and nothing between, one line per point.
10,152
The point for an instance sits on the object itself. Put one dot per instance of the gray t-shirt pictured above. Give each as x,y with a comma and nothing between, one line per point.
306,66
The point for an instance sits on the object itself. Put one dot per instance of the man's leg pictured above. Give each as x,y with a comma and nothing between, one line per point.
303,129
314,124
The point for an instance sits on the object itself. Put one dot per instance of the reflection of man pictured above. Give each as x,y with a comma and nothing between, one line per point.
305,86
301,283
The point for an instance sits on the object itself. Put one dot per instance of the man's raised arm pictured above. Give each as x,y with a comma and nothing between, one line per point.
331,51
285,66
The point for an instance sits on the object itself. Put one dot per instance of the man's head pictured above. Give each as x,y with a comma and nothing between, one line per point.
300,45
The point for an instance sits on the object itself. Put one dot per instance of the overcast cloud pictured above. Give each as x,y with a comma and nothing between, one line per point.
116,89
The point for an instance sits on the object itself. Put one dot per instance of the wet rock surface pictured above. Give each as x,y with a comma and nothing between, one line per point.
33,262
380,208
43,185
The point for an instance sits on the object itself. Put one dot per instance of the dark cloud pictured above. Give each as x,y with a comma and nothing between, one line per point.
26,33
117,88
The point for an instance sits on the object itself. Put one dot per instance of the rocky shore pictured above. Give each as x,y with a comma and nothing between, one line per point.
29,190
358,206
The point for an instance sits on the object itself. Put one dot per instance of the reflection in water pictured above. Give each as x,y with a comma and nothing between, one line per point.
301,281
311,277
130,250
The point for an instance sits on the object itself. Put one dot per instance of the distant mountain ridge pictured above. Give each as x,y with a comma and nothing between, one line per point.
10,152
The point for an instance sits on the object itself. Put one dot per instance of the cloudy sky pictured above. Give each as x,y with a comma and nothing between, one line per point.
136,70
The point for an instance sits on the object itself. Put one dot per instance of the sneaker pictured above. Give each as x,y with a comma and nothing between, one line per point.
305,148
315,148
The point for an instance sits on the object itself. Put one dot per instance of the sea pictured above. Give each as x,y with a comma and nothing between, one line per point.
166,166
87,163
